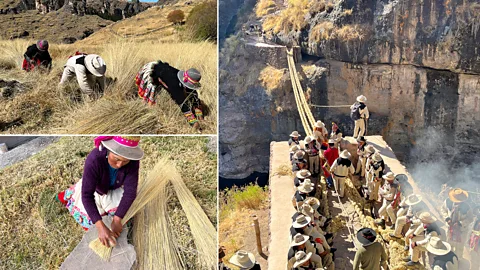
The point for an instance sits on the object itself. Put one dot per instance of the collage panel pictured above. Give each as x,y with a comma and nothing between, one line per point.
108,202
113,66
348,134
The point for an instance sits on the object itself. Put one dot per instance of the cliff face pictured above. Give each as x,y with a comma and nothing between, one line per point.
416,61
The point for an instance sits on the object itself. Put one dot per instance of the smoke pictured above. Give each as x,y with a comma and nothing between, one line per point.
435,161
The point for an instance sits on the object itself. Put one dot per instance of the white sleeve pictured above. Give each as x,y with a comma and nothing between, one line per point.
81,73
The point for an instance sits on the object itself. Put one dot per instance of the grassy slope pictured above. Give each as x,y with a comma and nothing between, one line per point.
36,232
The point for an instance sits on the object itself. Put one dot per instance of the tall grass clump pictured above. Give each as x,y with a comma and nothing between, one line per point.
202,21
265,7
251,196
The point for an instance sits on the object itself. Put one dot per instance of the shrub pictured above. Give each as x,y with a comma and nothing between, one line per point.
265,7
176,16
202,21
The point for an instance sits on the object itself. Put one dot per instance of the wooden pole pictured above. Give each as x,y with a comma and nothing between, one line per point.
257,233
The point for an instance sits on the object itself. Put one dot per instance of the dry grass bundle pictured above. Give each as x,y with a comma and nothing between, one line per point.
322,31
147,190
290,19
265,7
350,33
284,170
203,232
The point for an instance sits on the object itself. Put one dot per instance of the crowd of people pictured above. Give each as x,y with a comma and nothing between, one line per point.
89,71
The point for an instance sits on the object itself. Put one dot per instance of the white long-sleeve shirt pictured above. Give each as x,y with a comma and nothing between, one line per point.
341,169
85,79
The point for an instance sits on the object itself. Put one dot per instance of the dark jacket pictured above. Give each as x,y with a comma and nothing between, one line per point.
96,177
33,53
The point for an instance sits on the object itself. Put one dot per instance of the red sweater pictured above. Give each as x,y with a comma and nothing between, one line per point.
331,154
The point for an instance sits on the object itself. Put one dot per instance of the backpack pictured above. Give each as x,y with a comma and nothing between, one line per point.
355,112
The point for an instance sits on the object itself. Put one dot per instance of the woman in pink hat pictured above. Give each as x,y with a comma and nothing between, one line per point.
108,185
37,55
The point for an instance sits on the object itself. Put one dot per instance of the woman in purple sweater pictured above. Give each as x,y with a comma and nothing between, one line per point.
108,185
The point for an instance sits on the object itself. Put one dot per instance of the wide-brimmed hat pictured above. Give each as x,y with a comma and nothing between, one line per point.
299,155
303,173
95,65
243,259
313,202
301,257
190,78
124,146
307,209
295,134
42,45
299,239
362,98
308,139
377,156
390,176
438,247
413,199
301,221
426,217
366,236
361,139
458,195
319,124
345,154
370,149
306,186
331,141
294,148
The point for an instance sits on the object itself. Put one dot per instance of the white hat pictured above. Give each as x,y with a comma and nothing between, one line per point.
304,173
243,259
306,186
438,247
361,98
294,148
377,156
307,209
299,239
308,139
426,217
295,134
299,155
301,221
313,202
331,141
95,65
319,124
390,176
301,257
413,199
345,154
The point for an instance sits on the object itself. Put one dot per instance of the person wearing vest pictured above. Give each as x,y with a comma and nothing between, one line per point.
388,193
89,71
302,242
336,135
37,56
182,86
293,150
108,186
370,255
421,237
313,150
369,151
303,261
341,168
458,215
377,166
415,207
330,155
245,260
303,224
361,123
444,258
362,156
475,240
318,221
294,138
304,190
299,162
300,177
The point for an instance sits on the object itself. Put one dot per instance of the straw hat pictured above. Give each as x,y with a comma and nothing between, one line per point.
313,202
319,124
307,209
299,239
458,195
301,221
390,176
366,236
190,78
243,259
299,155
438,247
345,154
124,146
370,149
294,148
301,257
95,65
377,157
413,199
306,186
331,141
304,173
426,217
295,134
362,98
308,139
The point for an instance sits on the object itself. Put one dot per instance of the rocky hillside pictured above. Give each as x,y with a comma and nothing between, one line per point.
416,61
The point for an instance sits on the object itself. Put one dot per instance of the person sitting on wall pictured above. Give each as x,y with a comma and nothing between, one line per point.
294,138
37,56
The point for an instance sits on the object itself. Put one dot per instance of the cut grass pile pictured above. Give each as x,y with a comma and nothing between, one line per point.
271,78
37,232
45,108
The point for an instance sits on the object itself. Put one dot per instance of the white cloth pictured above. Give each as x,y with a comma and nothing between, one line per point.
85,80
